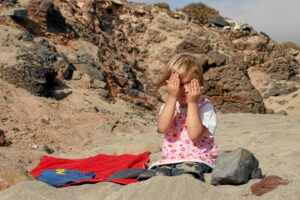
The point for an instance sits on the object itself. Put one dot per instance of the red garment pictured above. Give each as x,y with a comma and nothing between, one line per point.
102,165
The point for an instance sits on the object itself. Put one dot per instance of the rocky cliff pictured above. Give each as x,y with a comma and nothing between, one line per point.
119,48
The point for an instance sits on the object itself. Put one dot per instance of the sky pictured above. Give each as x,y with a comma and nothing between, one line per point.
280,19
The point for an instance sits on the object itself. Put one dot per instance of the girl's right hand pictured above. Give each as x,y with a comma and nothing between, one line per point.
173,86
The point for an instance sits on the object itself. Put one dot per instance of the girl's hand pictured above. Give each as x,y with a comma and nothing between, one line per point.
173,86
194,91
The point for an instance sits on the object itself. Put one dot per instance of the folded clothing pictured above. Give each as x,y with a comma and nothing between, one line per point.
102,165
60,177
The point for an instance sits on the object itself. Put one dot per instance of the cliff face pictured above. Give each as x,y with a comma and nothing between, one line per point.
120,48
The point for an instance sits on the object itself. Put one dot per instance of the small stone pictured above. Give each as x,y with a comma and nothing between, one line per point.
47,149
77,75
281,112
45,120
98,84
269,111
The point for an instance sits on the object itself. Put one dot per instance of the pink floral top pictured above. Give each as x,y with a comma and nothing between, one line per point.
178,147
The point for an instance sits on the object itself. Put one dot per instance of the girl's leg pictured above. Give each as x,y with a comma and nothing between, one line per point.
194,168
157,171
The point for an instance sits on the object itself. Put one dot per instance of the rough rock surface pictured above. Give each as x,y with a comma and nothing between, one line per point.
235,167
130,43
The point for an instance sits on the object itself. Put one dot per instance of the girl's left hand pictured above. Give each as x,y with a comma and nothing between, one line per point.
194,91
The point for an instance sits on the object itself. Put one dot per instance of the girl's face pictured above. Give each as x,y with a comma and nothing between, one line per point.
183,89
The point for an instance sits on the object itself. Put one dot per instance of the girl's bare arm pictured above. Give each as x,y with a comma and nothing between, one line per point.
166,117
195,127
167,114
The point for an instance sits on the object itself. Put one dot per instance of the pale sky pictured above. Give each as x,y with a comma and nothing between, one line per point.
280,19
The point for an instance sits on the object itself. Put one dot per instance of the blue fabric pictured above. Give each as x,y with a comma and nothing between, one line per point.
60,177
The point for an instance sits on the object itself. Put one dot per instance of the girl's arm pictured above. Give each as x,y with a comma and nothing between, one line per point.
195,127
167,114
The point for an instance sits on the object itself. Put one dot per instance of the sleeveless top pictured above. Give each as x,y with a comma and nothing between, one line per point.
177,147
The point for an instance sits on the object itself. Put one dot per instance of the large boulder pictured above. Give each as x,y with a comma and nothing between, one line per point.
235,168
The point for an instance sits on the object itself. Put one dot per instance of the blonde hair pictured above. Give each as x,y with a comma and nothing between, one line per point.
183,64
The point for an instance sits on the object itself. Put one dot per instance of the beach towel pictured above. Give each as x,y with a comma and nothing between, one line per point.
102,165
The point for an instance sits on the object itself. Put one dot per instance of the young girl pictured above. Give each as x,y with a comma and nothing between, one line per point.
187,120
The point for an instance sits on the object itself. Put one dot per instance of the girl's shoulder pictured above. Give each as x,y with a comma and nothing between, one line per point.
203,102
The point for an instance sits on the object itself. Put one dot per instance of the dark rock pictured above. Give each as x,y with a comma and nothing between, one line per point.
60,94
246,27
217,20
135,84
35,79
145,105
133,93
25,36
47,149
3,140
235,168
128,72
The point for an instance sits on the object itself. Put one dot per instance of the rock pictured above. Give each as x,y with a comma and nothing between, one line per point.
193,45
32,65
25,36
136,149
126,69
45,119
86,78
60,94
18,13
3,140
217,20
104,94
281,112
269,111
133,93
98,84
47,149
77,75
235,168
216,59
